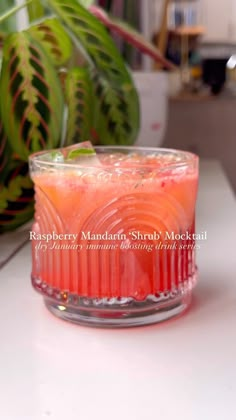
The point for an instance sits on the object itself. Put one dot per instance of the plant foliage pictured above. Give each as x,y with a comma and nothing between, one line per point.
63,74
32,108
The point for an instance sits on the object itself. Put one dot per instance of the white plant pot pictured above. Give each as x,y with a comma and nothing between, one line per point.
153,91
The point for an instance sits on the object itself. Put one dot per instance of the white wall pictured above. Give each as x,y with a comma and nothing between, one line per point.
205,127
148,27
219,18
22,19
233,20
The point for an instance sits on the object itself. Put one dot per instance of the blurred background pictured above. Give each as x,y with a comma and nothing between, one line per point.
193,108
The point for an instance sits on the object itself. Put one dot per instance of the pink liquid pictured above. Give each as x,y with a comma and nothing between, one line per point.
127,204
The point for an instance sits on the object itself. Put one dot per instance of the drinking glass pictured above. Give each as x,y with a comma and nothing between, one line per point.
113,242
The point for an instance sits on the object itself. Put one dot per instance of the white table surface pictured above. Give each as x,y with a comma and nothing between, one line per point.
183,369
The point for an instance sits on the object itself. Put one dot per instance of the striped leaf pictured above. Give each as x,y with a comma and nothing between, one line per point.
113,123
54,39
5,153
9,160
16,198
16,189
131,36
119,106
31,98
78,88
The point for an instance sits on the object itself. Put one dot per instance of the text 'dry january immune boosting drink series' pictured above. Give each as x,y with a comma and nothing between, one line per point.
113,242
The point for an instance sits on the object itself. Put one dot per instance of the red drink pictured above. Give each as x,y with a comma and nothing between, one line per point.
113,243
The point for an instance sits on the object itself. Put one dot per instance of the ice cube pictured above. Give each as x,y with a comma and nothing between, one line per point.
57,156
53,156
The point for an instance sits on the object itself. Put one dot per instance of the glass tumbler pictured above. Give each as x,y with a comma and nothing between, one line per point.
113,242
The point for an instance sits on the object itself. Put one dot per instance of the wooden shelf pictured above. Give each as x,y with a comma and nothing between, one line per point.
188,31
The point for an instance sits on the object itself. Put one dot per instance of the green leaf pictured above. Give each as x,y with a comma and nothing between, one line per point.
79,95
31,100
5,153
16,197
9,24
113,122
54,39
114,87
130,35
93,37
35,10
9,161
11,12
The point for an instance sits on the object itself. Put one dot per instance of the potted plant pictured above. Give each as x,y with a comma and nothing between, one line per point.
62,80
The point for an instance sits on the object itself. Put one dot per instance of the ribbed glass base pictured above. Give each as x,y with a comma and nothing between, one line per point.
130,314
116,312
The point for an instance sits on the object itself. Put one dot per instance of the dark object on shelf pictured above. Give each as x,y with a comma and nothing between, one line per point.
215,56
214,73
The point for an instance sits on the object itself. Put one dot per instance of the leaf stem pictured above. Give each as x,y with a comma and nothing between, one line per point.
14,10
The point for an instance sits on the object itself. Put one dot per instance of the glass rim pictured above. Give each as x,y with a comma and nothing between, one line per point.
186,158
